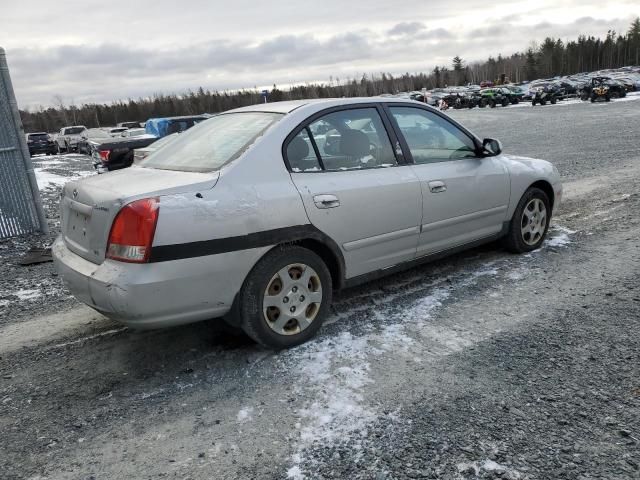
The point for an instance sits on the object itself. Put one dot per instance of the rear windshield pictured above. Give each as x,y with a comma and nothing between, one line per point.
38,136
97,133
73,130
212,143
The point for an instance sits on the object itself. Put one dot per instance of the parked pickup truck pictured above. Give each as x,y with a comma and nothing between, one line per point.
68,138
116,153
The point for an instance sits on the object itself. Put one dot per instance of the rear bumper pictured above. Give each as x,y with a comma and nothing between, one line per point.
156,295
33,150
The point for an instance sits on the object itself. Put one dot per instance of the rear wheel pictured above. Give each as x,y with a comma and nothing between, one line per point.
554,100
530,222
285,298
505,102
543,102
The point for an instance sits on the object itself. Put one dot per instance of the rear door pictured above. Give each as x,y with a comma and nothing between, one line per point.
465,196
354,189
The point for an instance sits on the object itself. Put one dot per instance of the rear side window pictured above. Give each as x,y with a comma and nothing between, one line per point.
301,155
344,140
212,143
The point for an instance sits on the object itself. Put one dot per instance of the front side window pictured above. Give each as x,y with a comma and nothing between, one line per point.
345,140
430,137
212,143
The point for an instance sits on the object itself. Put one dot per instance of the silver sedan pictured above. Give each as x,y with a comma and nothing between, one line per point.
258,214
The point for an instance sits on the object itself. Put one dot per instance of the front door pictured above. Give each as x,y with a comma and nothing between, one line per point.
355,191
465,196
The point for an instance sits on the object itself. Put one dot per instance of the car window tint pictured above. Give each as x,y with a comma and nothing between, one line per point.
430,137
300,154
352,139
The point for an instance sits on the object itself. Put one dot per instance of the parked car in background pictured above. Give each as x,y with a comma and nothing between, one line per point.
253,216
161,127
140,154
91,135
115,131
116,153
129,124
134,132
68,138
40,142
617,88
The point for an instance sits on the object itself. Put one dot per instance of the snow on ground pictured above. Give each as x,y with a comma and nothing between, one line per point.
334,372
27,294
46,178
245,414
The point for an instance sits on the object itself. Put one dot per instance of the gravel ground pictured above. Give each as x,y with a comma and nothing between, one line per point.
483,365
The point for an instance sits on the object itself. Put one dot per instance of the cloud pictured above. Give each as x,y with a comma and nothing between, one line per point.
406,28
112,70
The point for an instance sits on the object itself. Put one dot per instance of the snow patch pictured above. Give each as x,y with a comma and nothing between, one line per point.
45,178
27,294
245,415
561,240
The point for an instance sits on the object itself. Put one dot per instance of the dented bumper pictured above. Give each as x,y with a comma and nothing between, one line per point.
154,295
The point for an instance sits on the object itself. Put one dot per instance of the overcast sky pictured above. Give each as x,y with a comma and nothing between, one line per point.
87,51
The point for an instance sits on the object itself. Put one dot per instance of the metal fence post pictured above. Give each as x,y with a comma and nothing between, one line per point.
20,205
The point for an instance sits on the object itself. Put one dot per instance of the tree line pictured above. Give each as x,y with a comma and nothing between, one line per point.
551,58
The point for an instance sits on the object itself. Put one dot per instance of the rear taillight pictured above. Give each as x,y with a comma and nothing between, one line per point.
104,155
132,231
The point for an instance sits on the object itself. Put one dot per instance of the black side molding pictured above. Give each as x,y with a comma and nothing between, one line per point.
178,251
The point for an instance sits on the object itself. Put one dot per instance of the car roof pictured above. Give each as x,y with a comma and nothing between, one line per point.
320,104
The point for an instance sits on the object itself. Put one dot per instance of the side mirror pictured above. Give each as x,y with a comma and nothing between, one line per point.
491,147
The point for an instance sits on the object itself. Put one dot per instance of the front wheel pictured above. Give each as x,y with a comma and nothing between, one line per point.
530,222
285,298
554,100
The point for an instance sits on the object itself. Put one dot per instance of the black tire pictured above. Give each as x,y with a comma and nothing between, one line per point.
543,102
505,102
607,98
533,102
554,100
250,300
492,103
513,240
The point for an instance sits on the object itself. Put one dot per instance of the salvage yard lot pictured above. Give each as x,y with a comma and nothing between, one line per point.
483,365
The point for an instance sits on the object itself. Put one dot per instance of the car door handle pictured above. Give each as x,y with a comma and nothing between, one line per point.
437,186
326,201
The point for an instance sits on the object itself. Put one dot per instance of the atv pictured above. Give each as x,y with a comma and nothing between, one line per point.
542,95
599,90
493,97
461,100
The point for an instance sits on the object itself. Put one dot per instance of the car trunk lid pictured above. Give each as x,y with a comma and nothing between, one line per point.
89,206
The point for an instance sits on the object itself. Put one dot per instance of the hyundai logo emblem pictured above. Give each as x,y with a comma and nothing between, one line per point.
75,193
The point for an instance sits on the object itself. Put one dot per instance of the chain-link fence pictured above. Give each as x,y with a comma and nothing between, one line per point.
20,208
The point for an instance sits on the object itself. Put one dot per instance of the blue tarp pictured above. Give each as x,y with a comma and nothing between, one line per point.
161,127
